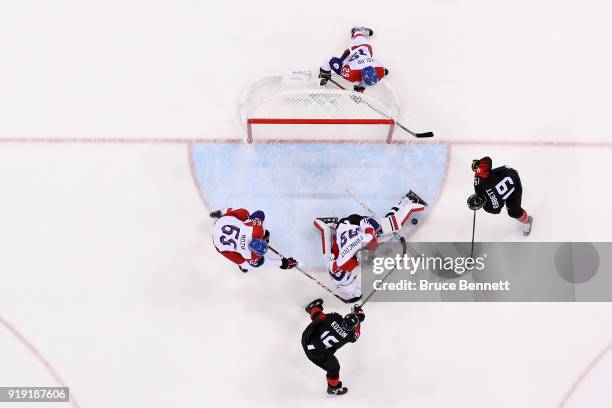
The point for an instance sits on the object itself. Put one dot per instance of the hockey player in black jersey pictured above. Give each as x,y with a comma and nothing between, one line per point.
496,187
325,335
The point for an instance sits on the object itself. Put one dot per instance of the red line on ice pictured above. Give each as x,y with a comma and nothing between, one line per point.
39,357
588,370
191,141
93,140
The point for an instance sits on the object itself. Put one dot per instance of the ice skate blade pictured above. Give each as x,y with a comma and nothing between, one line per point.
530,222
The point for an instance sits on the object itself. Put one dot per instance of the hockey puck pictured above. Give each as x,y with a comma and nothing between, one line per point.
415,221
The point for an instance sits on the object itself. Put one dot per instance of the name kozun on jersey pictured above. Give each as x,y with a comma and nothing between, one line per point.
242,241
339,329
352,245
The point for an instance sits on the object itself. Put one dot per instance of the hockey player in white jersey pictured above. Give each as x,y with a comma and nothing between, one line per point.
357,63
240,237
344,239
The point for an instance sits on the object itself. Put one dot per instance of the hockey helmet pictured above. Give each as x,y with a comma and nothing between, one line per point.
350,321
259,246
482,167
369,76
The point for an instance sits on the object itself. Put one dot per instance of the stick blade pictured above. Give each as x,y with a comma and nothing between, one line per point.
426,134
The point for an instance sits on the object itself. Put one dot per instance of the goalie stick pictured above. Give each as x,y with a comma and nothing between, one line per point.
358,100
310,276
404,248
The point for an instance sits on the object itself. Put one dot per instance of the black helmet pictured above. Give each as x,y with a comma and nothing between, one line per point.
350,321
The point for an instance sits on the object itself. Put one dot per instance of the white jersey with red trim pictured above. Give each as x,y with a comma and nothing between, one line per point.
350,240
231,234
358,59
340,243
354,59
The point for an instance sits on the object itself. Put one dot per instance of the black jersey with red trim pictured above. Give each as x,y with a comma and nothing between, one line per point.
325,333
502,184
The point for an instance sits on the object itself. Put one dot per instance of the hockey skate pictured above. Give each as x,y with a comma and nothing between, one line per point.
412,196
315,303
329,220
367,32
527,226
337,390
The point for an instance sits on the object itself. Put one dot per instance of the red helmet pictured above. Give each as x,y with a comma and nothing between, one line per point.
482,167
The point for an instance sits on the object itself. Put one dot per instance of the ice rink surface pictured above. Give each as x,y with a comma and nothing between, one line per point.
306,181
114,118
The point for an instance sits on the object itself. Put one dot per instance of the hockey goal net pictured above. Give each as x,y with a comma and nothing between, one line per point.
296,98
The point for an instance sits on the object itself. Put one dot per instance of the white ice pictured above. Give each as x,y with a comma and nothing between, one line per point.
107,268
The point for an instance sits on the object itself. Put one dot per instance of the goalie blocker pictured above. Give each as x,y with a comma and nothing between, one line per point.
342,241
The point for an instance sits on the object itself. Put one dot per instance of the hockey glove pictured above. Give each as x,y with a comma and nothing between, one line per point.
266,236
288,263
359,312
315,303
325,76
258,217
257,262
216,214
476,202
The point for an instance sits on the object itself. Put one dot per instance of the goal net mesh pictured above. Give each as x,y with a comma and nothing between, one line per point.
297,98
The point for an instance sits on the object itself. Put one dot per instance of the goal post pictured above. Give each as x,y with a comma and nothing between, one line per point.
296,100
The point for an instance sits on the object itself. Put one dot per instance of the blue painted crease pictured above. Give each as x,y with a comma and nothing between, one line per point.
295,183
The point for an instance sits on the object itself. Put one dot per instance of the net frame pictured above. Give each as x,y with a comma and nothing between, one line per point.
296,98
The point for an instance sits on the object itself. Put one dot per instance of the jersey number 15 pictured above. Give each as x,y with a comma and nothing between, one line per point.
328,340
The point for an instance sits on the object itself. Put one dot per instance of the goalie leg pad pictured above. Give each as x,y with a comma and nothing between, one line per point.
389,225
406,213
350,292
327,234
349,287
400,215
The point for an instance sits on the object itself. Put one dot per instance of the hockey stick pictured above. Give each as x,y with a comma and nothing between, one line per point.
361,203
309,276
357,99
404,247
473,231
